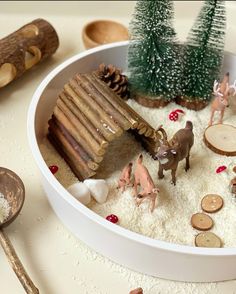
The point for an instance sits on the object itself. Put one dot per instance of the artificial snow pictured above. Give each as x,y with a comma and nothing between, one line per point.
170,221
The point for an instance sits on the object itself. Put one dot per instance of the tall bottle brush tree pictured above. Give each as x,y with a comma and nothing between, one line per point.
203,55
153,58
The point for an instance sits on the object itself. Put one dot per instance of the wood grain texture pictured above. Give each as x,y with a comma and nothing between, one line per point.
27,47
17,265
221,139
87,116
192,105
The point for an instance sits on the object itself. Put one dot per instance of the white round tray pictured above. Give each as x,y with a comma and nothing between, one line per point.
140,253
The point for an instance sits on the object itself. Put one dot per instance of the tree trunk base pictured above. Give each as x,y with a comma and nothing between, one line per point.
193,105
221,139
150,101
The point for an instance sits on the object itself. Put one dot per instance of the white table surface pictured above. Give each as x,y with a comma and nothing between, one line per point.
58,262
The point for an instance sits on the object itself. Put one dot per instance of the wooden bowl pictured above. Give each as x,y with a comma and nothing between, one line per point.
101,32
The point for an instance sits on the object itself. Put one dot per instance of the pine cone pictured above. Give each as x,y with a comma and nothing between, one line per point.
114,79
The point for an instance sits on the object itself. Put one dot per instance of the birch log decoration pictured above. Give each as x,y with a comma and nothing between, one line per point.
221,139
87,116
25,48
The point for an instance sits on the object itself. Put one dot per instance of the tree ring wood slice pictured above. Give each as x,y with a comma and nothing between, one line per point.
150,101
221,139
201,221
189,104
208,239
212,203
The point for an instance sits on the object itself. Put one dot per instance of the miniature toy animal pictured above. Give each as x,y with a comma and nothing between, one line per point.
171,153
125,177
222,92
233,186
143,178
136,291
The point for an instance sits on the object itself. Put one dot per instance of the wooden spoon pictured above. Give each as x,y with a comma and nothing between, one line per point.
13,190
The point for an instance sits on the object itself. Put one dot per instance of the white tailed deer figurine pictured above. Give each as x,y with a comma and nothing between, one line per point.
222,91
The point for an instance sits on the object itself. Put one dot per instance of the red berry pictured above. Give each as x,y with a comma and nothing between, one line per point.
53,169
112,218
220,169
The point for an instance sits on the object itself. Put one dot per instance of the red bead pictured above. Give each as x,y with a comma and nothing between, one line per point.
112,218
220,169
53,169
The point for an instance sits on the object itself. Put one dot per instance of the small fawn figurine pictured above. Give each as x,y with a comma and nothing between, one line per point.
125,177
143,178
222,93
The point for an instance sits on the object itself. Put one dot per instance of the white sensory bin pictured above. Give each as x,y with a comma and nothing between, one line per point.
135,251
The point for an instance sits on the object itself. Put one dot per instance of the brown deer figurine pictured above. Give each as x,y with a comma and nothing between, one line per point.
125,177
222,91
143,178
171,153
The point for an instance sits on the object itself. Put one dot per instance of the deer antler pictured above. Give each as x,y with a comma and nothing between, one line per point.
160,129
216,89
215,86
233,87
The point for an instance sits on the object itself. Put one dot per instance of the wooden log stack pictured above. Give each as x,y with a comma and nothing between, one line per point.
87,116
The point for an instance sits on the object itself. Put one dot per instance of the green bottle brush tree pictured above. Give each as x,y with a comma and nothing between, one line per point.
202,56
161,70
153,58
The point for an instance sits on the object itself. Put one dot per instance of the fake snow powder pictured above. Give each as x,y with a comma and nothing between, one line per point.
170,220
4,208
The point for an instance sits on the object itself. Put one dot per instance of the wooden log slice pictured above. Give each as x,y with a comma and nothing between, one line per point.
208,239
212,203
201,221
151,102
193,105
221,139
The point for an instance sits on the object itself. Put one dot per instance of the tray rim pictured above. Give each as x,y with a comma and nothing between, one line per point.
122,232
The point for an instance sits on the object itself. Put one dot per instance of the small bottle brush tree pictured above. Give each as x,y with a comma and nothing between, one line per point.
153,58
202,56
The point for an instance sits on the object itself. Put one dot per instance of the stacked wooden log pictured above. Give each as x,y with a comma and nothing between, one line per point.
87,116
